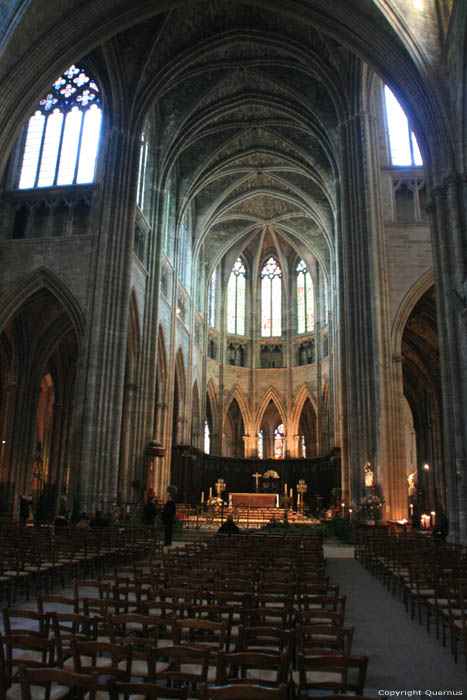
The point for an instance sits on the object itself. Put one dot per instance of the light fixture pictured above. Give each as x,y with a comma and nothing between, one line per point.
426,467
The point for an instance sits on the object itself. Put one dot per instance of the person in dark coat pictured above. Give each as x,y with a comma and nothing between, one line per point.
98,520
24,508
229,527
168,515
149,512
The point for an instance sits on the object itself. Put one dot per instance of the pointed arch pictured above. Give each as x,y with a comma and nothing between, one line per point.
134,330
303,394
179,403
271,394
24,287
195,416
237,394
406,306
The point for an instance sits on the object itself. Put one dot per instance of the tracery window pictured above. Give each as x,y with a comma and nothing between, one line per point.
402,141
63,134
279,442
271,298
305,300
236,299
212,300
260,444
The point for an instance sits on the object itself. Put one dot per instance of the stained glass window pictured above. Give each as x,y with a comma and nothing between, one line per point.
212,300
260,444
302,446
271,298
62,137
279,442
402,142
325,300
182,251
236,299
207,437
305,300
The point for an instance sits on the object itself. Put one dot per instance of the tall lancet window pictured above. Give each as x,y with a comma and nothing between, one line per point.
271,298
305,300
212,300
207,437
182,251
260,444
402,142
62,138
279,442
236,299
325,301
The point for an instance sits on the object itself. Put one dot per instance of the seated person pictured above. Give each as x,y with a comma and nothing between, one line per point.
229,527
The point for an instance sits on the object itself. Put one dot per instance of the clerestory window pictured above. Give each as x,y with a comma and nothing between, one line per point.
236,299
402,141
212,300
62,138
305,300
271,298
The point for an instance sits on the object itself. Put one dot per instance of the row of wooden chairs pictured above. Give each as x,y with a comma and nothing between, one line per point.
430,578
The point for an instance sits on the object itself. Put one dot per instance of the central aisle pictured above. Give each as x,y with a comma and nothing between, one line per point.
402,655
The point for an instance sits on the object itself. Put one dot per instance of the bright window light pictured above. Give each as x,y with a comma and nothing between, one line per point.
402,141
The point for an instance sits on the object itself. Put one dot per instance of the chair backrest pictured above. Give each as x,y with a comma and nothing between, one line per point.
30,622
196,631
139,630
336,673
325,638
86,655
154,691
18,650
82,685
243,691
252,667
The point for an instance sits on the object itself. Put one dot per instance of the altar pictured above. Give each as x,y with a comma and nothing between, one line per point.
257,500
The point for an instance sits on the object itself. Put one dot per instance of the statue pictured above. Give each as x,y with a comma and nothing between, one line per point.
369,475
411,483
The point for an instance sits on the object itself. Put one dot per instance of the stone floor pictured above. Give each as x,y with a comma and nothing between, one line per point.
403,657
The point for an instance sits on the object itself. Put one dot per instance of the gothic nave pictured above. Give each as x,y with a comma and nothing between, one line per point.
234,230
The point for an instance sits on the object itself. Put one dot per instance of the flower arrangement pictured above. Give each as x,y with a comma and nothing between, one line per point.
371,507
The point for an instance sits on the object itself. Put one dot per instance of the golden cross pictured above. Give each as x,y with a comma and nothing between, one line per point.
257,477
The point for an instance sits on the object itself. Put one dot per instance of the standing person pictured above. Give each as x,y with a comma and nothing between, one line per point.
149,512
24,508
168,514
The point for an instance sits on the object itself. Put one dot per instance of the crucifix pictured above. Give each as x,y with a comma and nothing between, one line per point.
257,477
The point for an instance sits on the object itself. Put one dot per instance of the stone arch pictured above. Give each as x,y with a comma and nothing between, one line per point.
37,394
196,432
130,399
235,424
406,306
179,401
270,395
26,286
303,423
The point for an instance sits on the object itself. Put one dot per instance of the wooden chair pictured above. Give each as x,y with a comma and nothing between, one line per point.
22,650
243,691
140,631
102,657
56,683
332,673
151,691
26,622
320,639
181,666
252,667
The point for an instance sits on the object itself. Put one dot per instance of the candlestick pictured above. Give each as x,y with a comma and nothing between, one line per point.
291,493
285,489
433,518
210,492
202,496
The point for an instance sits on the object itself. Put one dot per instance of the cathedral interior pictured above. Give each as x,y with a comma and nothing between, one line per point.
214,252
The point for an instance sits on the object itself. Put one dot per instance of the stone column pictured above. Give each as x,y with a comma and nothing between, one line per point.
448,216
367,397
101,386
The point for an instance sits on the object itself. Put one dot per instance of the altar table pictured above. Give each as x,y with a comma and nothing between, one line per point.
258,500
